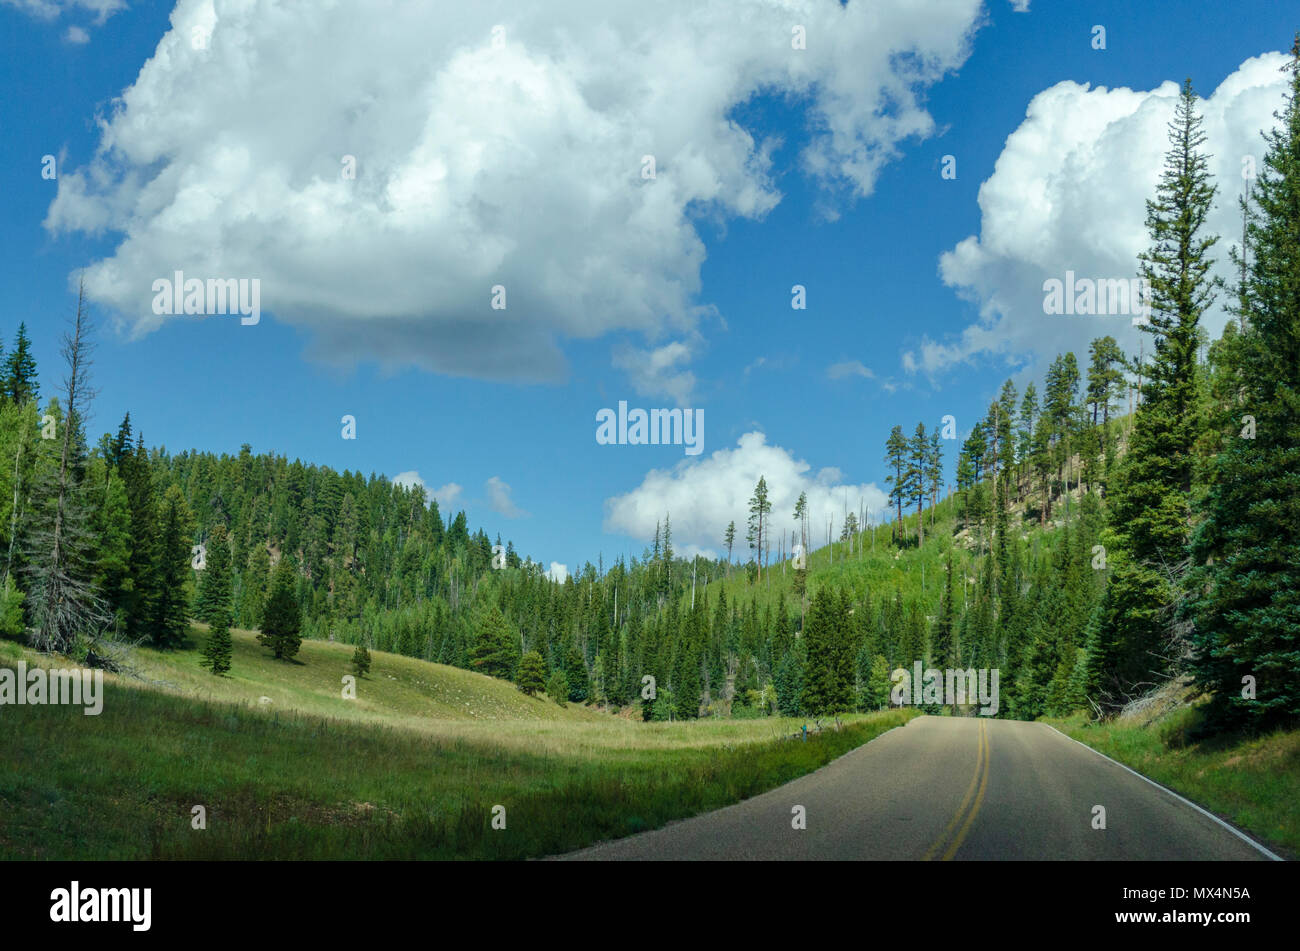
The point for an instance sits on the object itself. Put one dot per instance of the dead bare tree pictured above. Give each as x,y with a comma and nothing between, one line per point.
67,612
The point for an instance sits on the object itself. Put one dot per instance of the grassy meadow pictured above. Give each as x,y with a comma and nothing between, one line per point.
411,769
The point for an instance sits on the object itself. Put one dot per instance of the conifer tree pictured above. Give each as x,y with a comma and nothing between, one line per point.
918,466
496,650
219,648
829,664
575,673
282,616
896,458
170,621
1246,586
532,673
140,602
215,586
361,659
759,507
1150,504
19,378
557,687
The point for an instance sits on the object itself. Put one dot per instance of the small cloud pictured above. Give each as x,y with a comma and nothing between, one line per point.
838,371
52,9
76,35
447,495
660,372
499,499
444,496
408,479
1020,6
558,572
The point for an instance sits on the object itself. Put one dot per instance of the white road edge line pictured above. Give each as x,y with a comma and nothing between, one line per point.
1209,815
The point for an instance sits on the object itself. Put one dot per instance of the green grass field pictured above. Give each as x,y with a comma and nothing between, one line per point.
410,769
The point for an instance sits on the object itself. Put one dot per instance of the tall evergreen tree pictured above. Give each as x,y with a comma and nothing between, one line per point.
496,651
759,507
918,467
829,667
215,586
19,378
282,615
219,648
896,448
169,623
1246,586
532,673
1150,505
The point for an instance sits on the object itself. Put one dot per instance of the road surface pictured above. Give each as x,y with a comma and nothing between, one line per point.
952,788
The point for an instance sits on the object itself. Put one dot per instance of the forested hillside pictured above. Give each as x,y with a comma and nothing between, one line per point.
1138,521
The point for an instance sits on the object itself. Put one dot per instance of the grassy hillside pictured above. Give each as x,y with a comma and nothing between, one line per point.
412,769
397,689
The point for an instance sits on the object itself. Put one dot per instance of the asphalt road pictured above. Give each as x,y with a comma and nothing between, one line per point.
950,788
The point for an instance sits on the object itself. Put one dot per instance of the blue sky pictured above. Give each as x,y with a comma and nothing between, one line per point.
868,254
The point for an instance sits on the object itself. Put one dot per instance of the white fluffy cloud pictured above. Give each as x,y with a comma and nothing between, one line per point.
660,372
1068,193
51,9
838,371
701,497
499,499
478,163
444,496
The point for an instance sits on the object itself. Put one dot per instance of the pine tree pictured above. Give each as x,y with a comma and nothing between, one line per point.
575,673
1246,586
143,568
255,586
801,566
934,471
282,616
111,527
943,647
557,687
215,586
361,659
219,649
496,649
532,673
687,682
19,380
759,507
1150,505
896,448
169,624
918,465
829,665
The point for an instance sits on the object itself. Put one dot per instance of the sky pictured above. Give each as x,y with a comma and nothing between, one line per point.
473,230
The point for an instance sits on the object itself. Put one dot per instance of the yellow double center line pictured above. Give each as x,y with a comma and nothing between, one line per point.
980,780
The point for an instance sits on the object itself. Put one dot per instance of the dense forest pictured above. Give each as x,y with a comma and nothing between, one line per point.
1137,521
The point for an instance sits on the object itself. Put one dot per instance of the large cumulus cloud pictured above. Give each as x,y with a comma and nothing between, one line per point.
1068,193
511,157
702,496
